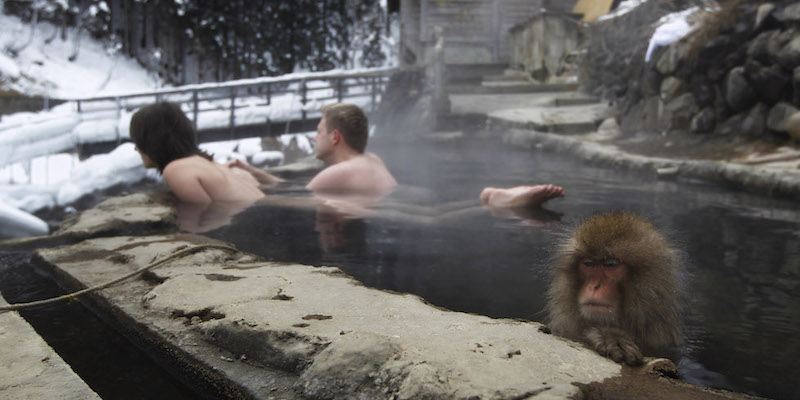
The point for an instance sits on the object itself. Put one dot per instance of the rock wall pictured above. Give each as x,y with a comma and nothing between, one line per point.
738,75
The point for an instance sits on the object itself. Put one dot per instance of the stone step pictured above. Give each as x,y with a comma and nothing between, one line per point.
460,73
505,78
566,120
575,101
512,75
512,87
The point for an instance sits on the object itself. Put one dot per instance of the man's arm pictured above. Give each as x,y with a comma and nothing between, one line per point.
264,178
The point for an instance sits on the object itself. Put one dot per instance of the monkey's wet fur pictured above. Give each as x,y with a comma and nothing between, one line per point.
616,288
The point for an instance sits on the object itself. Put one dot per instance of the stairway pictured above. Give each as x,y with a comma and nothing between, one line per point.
494,95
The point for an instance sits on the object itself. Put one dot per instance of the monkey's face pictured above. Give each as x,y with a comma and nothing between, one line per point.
600,294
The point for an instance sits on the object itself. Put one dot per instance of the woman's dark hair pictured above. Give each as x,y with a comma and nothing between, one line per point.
163,132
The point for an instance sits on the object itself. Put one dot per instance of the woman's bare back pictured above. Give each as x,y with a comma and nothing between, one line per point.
195,179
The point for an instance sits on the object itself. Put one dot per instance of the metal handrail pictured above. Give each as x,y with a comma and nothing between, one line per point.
266,83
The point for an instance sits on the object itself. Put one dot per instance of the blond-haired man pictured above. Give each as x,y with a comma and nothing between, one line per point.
341,142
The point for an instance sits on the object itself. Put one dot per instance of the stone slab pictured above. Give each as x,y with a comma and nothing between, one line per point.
565,119
31,368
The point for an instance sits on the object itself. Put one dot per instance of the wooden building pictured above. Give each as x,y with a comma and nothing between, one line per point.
474,31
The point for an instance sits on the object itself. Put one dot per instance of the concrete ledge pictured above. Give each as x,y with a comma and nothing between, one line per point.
337,338
123,215
31,368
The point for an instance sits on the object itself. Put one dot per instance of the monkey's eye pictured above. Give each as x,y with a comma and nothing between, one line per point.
611,263
587,263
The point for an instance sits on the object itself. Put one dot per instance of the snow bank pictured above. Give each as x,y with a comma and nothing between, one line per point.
17,223
267,158
122,165
671,28
8,68
45,69
623,8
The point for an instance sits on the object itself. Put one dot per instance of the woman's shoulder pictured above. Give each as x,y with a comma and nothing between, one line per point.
185,177
187,165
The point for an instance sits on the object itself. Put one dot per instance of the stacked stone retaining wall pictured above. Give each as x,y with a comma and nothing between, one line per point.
737,75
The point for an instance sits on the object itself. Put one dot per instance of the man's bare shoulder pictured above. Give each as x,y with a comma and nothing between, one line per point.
333,177
363,174
373,158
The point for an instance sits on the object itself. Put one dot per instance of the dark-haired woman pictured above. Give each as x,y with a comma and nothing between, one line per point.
166,140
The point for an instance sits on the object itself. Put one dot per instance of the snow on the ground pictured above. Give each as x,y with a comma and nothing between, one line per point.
45,69
671,28
623,8
99,172
16,223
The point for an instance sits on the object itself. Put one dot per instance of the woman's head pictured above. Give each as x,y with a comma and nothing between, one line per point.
162,133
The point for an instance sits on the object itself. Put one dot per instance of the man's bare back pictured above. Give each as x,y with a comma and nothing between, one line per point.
364,174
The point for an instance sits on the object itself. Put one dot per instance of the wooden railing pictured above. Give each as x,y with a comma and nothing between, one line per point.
302,94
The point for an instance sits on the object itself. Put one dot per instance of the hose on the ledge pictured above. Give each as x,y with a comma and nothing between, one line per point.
72,296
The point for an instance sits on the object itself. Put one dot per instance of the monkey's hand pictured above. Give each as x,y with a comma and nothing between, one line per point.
614,343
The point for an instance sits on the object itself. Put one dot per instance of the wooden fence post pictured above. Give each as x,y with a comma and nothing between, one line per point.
373,90
195,107
232,120
303,99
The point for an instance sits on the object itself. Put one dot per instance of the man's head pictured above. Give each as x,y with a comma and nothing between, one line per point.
341,122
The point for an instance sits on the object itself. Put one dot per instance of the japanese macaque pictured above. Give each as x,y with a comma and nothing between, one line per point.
616,288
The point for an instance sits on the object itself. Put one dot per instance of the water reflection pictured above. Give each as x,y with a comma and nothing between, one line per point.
746,317
204,217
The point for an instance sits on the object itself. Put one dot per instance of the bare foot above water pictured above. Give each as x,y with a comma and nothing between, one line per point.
519,196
